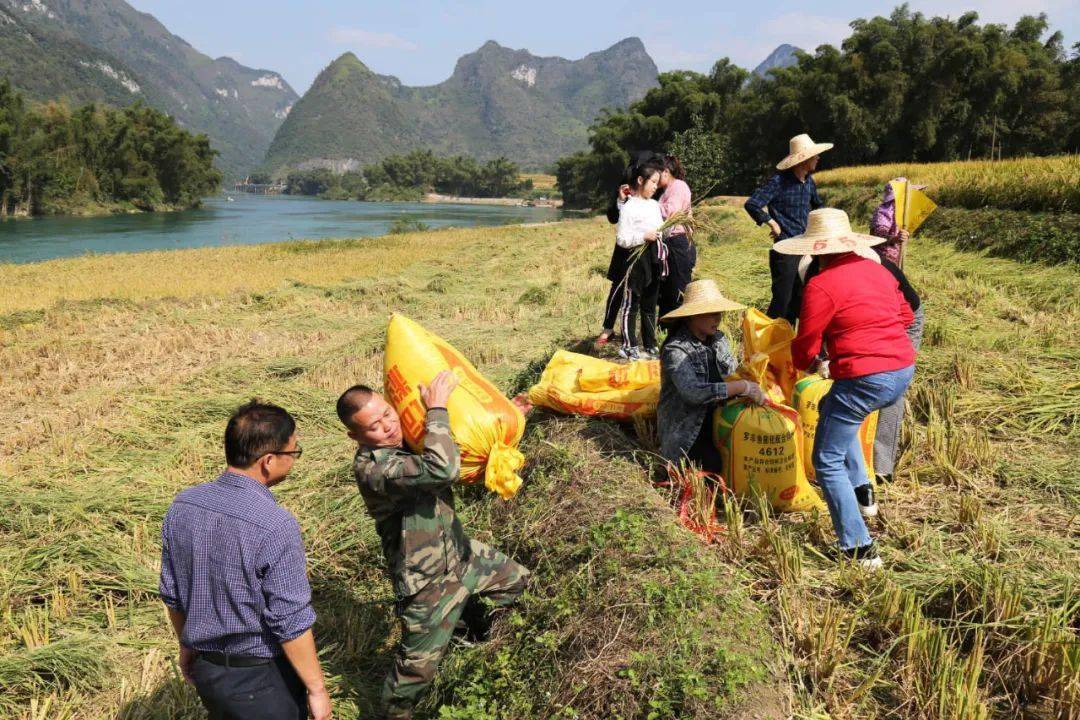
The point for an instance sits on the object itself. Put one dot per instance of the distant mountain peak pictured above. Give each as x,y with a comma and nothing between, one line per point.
498,101
106,51
783,56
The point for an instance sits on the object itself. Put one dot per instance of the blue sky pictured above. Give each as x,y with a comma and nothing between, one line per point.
419,40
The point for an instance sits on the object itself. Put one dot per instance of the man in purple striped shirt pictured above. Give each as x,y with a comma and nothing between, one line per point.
234,581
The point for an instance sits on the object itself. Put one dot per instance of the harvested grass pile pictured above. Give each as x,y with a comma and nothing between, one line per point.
627,614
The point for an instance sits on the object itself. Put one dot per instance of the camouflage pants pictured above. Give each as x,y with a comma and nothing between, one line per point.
429,617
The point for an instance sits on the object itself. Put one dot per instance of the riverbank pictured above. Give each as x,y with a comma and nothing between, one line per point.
455,200
94,210
122,369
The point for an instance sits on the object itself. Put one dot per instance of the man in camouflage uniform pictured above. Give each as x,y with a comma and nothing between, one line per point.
438,572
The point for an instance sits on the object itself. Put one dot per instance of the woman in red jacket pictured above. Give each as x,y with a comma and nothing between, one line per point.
854,308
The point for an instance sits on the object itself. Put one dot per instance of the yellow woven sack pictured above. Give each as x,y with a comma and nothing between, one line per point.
763,445
763,334
487,427
809,392
560,387
601,376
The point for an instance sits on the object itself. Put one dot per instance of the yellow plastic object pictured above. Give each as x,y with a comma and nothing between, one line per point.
762,334
487,427
622,392
809,392
912,206
762,445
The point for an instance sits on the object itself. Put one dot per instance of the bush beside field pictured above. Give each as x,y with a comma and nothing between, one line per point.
1025,209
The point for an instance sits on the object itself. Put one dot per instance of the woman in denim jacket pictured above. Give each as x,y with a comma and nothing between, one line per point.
694,361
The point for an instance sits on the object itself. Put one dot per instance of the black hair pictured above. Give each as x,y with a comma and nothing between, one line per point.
637,159
350,401
673,166
255,429
644,171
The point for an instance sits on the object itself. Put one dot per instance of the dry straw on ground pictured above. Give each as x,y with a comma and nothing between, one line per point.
115,398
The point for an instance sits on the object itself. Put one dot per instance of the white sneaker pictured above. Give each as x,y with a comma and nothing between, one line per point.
866,557
629,354
865,495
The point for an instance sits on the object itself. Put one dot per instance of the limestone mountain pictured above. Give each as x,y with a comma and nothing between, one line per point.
107,51
498,101
783,56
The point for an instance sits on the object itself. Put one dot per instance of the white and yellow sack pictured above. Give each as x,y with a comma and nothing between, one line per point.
486,426
809,392
583,385
762,444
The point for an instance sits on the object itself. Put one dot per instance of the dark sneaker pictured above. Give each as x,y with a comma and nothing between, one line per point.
865,495
887,478
866,556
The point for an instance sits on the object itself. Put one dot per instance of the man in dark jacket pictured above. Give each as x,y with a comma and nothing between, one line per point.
785,202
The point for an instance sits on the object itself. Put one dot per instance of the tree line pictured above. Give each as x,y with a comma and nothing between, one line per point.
55,159
409,176
902,88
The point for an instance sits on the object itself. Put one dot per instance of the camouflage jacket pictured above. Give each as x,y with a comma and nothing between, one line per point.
411,499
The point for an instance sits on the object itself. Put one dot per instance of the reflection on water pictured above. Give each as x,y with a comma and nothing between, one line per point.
247,221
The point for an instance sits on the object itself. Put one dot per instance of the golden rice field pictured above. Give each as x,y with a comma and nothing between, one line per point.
540,181
1046,184
119,371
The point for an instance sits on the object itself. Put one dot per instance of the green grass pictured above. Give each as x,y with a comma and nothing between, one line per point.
120,372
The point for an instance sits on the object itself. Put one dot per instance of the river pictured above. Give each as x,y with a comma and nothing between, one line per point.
248,220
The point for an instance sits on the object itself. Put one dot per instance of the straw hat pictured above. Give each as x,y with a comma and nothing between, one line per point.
828,231
702,297
800,148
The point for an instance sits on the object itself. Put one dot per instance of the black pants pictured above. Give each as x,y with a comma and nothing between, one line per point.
265,692
612,306
786,287
704,452
682,257
644,304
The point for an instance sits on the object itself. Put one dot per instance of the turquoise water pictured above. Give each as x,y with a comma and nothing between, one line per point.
249,220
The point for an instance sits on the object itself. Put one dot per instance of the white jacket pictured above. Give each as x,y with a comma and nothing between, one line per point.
637,216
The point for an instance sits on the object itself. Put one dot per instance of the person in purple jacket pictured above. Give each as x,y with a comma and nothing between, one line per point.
883,224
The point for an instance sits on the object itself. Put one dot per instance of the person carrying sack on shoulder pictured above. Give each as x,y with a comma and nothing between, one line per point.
440,575
784,203
694,361
855,308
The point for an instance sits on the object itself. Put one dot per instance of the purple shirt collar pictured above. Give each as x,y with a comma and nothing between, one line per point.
240,480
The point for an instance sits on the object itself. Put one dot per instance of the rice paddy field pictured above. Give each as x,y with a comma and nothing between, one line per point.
1025,209
119,372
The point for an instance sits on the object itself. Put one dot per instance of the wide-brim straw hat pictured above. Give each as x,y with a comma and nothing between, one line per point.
702,297
800,148
828,232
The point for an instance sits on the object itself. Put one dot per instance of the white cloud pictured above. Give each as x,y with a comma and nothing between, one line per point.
674,56
365,38
807,31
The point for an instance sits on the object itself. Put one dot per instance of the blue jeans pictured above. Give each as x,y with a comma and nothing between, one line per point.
838,458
